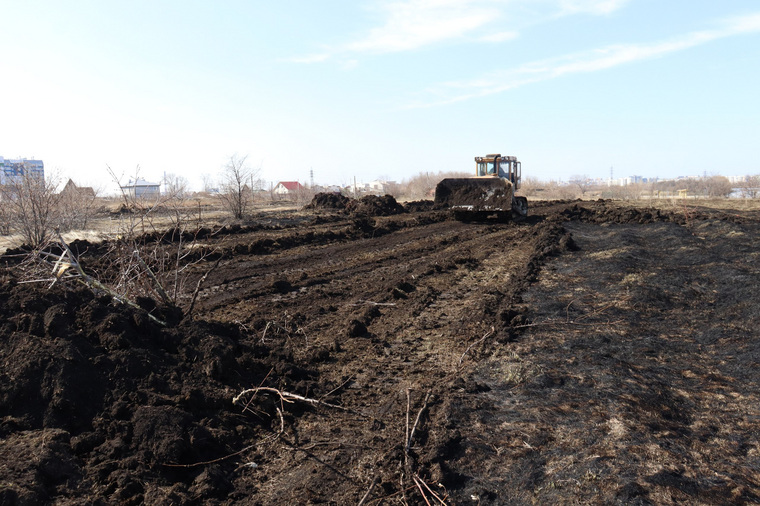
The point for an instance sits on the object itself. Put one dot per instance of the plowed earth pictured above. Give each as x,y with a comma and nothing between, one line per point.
593,353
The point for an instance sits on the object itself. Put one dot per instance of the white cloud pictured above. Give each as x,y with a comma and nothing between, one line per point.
408,25
591,61
597,7
315,58
499,37
417,23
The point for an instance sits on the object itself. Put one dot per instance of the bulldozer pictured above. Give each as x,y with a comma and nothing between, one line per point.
489,194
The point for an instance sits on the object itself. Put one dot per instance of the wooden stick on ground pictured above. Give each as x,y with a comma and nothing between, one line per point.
487,334
417,421
369,491
289,398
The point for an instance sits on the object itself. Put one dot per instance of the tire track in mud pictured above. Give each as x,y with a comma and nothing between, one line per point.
380,316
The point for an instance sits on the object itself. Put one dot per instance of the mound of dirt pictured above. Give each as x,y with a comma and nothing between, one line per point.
99,403
418,206
372,205
328,201
607,212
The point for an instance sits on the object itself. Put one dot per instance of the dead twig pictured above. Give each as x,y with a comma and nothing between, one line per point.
419,487
271,438
369,491
289,398
406,436
200,283
422,482
417,421
553,323
486,336
328,394
159,288
370,303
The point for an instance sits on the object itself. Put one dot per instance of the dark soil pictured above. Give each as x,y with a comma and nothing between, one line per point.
594,353
328,201
372,205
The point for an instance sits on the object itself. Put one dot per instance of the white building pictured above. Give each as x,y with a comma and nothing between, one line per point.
142,189
13,169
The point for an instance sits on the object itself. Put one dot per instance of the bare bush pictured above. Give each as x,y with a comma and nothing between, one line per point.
31,205
156,247
555,190
626,192
76,206
235,191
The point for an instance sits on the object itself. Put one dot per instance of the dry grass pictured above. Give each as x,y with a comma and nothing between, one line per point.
108,223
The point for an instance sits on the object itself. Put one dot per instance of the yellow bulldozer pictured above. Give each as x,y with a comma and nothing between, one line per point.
489,194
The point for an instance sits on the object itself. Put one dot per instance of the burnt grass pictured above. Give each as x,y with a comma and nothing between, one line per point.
594,353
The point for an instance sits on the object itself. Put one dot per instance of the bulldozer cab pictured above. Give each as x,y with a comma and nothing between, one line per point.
505,167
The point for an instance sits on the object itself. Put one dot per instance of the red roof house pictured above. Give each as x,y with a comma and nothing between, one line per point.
287,187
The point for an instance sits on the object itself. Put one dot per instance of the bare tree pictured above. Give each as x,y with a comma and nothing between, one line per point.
580,181
32,204
717,186
750,187
176,186
208,182
234,191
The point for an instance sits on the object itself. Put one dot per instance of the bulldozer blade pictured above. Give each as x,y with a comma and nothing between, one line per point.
475,194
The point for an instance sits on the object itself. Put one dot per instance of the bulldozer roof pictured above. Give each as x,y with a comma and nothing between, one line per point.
492,157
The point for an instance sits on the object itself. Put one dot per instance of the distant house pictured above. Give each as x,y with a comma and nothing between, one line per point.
287,188
377,187
142,189
72,190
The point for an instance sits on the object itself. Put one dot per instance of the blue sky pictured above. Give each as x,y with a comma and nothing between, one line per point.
376,88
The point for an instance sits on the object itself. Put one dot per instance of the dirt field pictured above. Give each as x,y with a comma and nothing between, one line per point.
595,353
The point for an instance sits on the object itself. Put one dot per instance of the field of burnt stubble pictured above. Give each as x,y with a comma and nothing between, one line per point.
597,352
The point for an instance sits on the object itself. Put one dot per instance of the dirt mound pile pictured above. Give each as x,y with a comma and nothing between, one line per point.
99,403
372,205
328,201
604,212
418,206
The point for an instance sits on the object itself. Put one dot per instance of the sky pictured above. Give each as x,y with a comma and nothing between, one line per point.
372,89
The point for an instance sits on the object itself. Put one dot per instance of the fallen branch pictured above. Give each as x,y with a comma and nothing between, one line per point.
289,398
93,283
552,323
